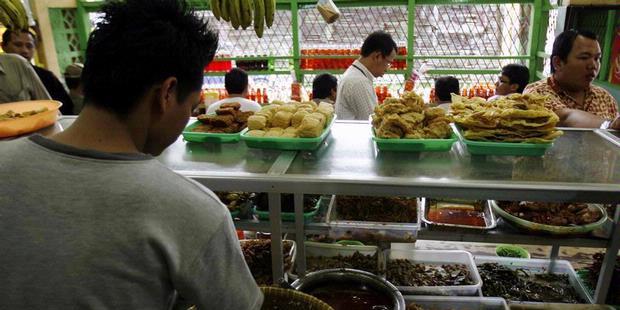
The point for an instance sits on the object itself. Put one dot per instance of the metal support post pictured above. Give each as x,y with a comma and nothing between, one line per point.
609,262
277,262
300,236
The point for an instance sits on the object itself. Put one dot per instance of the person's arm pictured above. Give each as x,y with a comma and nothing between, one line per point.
35,87
615,124
578,118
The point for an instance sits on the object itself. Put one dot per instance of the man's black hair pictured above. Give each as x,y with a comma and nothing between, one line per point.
72,83
446,85
517,74
563,43
323,84
6,36
140,43
236,81
378,41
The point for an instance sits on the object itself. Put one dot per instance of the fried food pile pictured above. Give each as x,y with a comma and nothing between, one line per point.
408,118
10,114
377,209
557,214
291,120
257,254
515,118
228,118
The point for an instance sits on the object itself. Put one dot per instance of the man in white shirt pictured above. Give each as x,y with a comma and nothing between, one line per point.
236,83
356,96
445,86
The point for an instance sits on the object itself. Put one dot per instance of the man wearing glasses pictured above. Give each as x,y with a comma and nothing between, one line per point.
512,80
356,96
575,63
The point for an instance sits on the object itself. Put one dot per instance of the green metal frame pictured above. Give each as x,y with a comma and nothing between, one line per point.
538,27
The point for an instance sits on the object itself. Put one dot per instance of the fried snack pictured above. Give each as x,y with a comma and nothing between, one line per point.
288,108
407,118
256,122
233,105
255,133
202,128
277,102
290,132
310,103
310,127
225,111
242,117
274,132
221,120
205,119
282,119
320,117
326,109
515,118
298,117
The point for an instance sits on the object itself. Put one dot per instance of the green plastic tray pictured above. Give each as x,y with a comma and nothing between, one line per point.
505,148
191,136
414,145
290,216
287,144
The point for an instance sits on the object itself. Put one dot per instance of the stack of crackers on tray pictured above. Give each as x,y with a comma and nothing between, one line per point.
407,118
514,118
291,120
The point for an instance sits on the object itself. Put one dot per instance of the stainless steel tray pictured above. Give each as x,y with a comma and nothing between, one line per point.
489,217
369,230
457,302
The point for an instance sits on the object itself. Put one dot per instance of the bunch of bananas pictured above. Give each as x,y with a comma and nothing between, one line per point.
241,13
13,14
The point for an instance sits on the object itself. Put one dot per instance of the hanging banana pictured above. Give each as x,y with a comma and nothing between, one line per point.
23,16
224,13
270,12
15,19
259,17
235,13
215,9
246,13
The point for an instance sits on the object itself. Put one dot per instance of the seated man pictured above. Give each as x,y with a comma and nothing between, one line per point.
236,83
513,79
90,218
445,86
575,63
18,81
324,88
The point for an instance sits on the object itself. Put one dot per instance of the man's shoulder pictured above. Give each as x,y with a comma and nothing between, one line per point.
539,87
13,59
600,91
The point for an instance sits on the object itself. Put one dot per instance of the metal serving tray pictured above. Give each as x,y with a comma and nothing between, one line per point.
457,302
489,216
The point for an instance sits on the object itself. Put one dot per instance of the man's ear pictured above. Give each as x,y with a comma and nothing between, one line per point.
167,94
513,87
557,62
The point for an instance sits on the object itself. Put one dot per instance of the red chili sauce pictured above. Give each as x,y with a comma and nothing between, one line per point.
457,217
345,296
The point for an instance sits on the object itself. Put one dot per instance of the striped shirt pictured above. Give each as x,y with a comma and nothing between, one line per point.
597,100
356,97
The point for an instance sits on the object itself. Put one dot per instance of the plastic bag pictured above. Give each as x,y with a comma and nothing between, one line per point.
328,10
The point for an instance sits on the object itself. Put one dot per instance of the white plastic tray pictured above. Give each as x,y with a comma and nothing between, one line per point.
438,257
539,266
333,220
457,302
489,217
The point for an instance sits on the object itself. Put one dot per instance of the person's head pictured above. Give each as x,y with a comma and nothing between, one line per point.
378,52
236,82
445,86
575,60
324,86
513,79
73,75
22,42
144,62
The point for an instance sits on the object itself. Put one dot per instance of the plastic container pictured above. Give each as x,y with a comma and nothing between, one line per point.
438,257
314,249
539,266
503,148
287,144
290,216
20,126
457,302
292,254
414,145
551,229
489,218
209,137
334,219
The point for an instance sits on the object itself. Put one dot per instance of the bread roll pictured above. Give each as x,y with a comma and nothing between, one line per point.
298,117
322,119
255,133
274,132
257,122
310,127
282,119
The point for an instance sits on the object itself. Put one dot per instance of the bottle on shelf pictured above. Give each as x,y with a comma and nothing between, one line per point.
259,96
265,96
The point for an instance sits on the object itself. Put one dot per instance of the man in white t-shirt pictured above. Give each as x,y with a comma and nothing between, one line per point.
236,83
356,96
